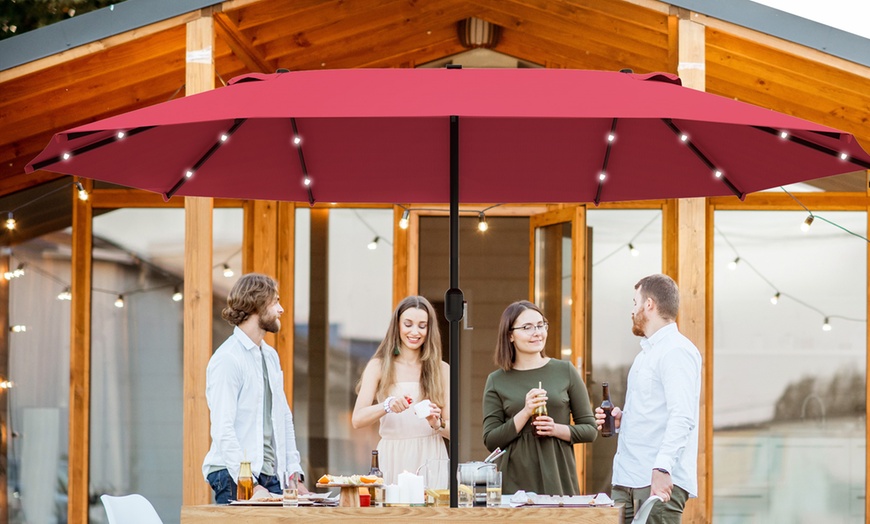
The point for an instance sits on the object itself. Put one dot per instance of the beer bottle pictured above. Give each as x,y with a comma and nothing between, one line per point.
540,411
245,487
609,427
376,494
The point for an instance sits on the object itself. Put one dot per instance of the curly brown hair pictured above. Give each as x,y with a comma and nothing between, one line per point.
251,294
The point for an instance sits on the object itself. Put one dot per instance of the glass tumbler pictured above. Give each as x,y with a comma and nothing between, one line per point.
290,487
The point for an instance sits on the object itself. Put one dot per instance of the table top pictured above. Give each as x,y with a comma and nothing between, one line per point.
213,514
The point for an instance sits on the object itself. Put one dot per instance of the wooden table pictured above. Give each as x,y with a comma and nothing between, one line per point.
214,514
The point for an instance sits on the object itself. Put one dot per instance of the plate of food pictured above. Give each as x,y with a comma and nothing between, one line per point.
276,500
344,481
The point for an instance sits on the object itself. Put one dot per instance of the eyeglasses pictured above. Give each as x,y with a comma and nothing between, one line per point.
531,328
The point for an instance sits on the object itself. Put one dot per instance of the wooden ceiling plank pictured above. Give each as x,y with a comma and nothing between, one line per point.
418,30
729,45
261,14
577,34
363,30
84,71
609,14
97,47
241,45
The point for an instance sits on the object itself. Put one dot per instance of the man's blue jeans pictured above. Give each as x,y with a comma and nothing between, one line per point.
225,489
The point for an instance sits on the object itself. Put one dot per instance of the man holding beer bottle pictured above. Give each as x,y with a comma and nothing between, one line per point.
658,428
250,417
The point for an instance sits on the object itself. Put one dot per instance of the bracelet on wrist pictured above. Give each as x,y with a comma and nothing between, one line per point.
387,405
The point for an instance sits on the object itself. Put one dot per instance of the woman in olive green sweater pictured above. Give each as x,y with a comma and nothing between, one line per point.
540,455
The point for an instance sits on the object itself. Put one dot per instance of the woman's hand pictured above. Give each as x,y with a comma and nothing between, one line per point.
434,418
535,398
399,404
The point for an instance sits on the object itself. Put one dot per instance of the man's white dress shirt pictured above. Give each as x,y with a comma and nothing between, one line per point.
234,389
659,427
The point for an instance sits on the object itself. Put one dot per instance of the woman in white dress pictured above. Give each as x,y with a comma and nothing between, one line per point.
405,370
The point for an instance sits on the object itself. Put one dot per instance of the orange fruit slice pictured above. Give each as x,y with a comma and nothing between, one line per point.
369,479
323,480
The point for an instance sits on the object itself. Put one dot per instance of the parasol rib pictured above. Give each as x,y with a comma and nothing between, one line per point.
302,162
812,145
703,158
610,138
204,158
90,147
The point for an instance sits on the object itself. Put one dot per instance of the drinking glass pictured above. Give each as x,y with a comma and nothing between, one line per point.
465,495
289,485
493,488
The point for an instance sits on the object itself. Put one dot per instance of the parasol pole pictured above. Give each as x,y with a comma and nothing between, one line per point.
453,309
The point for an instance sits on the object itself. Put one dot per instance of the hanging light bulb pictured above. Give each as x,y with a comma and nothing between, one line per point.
403,222
66,294
228,271
177,295
119,302
775,299
6,384
19,271
827,325
633,250
481,222
374,243
807,223
10,222
18,328
83,195
733,264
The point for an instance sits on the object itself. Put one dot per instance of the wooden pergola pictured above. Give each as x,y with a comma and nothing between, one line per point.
152,63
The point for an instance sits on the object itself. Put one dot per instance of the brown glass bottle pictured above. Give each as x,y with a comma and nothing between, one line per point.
609,427
245,487
540,411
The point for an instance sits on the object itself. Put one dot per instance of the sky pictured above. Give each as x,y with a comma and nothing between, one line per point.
848,15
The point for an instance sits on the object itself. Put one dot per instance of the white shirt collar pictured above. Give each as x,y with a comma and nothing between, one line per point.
658,336
244,339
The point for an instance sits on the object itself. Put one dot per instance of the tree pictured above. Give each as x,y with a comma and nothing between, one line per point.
20,16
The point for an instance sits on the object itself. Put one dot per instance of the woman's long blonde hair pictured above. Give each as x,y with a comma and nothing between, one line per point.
431,385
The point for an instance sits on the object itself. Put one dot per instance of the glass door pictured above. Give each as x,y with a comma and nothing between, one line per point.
557,280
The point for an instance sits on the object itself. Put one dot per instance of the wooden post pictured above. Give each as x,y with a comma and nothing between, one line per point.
580,351
867,364
692,276
286,288
4,400
198,292
318,344
260,251
80,360
401,289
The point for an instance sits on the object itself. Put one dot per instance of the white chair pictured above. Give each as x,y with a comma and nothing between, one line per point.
130,509
642,514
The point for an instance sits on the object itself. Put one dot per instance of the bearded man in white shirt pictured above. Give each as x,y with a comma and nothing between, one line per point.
658,428
250,417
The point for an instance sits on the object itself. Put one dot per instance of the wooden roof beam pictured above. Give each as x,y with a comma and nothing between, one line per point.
240,45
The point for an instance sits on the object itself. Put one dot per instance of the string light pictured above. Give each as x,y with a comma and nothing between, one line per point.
733,264
121,135
297,140
306,181
18,328
783,134
119,302
633,250
10,221
177,296
403,222
827,325
844,156
83,195
807,223
66,294
66,156
481,222
374,243
611,137
601,176
718,173
6,384
228,271
775,299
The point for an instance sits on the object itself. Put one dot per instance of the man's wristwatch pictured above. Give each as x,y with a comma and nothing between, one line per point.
663,470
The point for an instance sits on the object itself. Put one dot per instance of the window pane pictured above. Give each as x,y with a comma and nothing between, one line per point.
789,400
37,420
137,350
625,246
344,264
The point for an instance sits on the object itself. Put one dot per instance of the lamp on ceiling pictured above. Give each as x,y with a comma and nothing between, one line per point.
474,33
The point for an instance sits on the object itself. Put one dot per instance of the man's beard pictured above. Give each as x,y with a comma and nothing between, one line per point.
271,325
638,323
